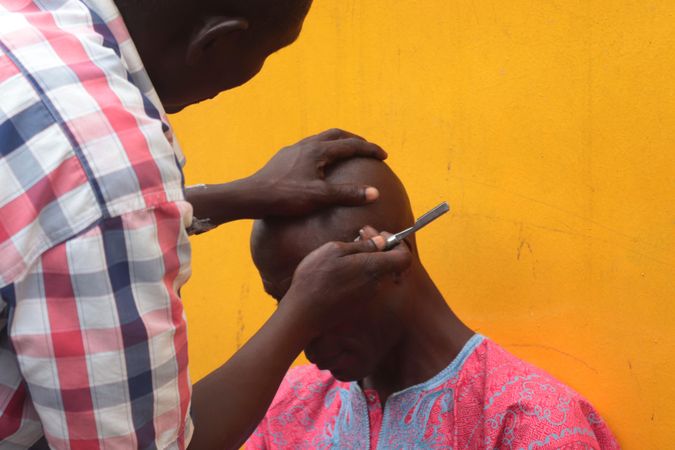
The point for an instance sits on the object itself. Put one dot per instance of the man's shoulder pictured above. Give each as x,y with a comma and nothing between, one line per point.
505,379
523,403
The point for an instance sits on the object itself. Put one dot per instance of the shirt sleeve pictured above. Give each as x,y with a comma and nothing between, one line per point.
568,422
99,335
258,440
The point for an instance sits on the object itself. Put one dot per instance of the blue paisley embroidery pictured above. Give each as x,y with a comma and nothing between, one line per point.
350,429
298,413
543,413
507,422
565,432
594,419
502,390
407,417
408,413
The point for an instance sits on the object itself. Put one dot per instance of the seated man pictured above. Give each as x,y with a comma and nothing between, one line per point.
405,372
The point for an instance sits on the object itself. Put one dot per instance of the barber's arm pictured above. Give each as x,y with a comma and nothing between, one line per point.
291,183
328,285
229,403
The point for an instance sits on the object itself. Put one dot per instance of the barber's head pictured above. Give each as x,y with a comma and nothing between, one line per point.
352,350
194,50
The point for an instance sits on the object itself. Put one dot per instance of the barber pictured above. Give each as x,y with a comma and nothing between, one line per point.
94,223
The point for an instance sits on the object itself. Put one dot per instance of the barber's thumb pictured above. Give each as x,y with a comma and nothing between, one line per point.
352,194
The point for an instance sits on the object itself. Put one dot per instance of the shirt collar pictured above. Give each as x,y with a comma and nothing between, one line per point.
108,12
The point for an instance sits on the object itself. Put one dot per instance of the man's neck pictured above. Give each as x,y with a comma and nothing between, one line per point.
433,336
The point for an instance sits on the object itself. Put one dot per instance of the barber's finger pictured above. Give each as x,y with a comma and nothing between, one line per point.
394,261
351,194
403,242
378,243
336,133
369,232
351,147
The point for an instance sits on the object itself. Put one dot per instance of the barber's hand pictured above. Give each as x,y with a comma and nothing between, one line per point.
331,281
293,181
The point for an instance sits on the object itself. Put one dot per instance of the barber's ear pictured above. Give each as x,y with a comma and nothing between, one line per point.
214,29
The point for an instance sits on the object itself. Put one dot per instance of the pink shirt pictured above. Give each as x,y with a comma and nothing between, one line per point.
486,398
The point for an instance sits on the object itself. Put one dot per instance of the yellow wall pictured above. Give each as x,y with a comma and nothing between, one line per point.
548,125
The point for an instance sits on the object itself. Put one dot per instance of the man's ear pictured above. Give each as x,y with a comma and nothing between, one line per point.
213,30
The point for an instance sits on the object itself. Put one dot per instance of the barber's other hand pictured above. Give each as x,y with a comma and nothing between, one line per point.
293,182
332,280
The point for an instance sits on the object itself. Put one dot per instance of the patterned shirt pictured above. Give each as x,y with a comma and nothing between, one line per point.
93,247
485,399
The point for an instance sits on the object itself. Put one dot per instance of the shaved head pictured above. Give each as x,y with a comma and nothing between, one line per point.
279,244
354,348
380,341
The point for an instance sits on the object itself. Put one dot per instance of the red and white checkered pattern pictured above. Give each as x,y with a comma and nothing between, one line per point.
93,248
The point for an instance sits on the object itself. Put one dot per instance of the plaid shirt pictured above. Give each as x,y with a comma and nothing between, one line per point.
93,247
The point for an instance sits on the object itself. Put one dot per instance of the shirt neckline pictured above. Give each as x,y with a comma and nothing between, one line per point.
441,377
